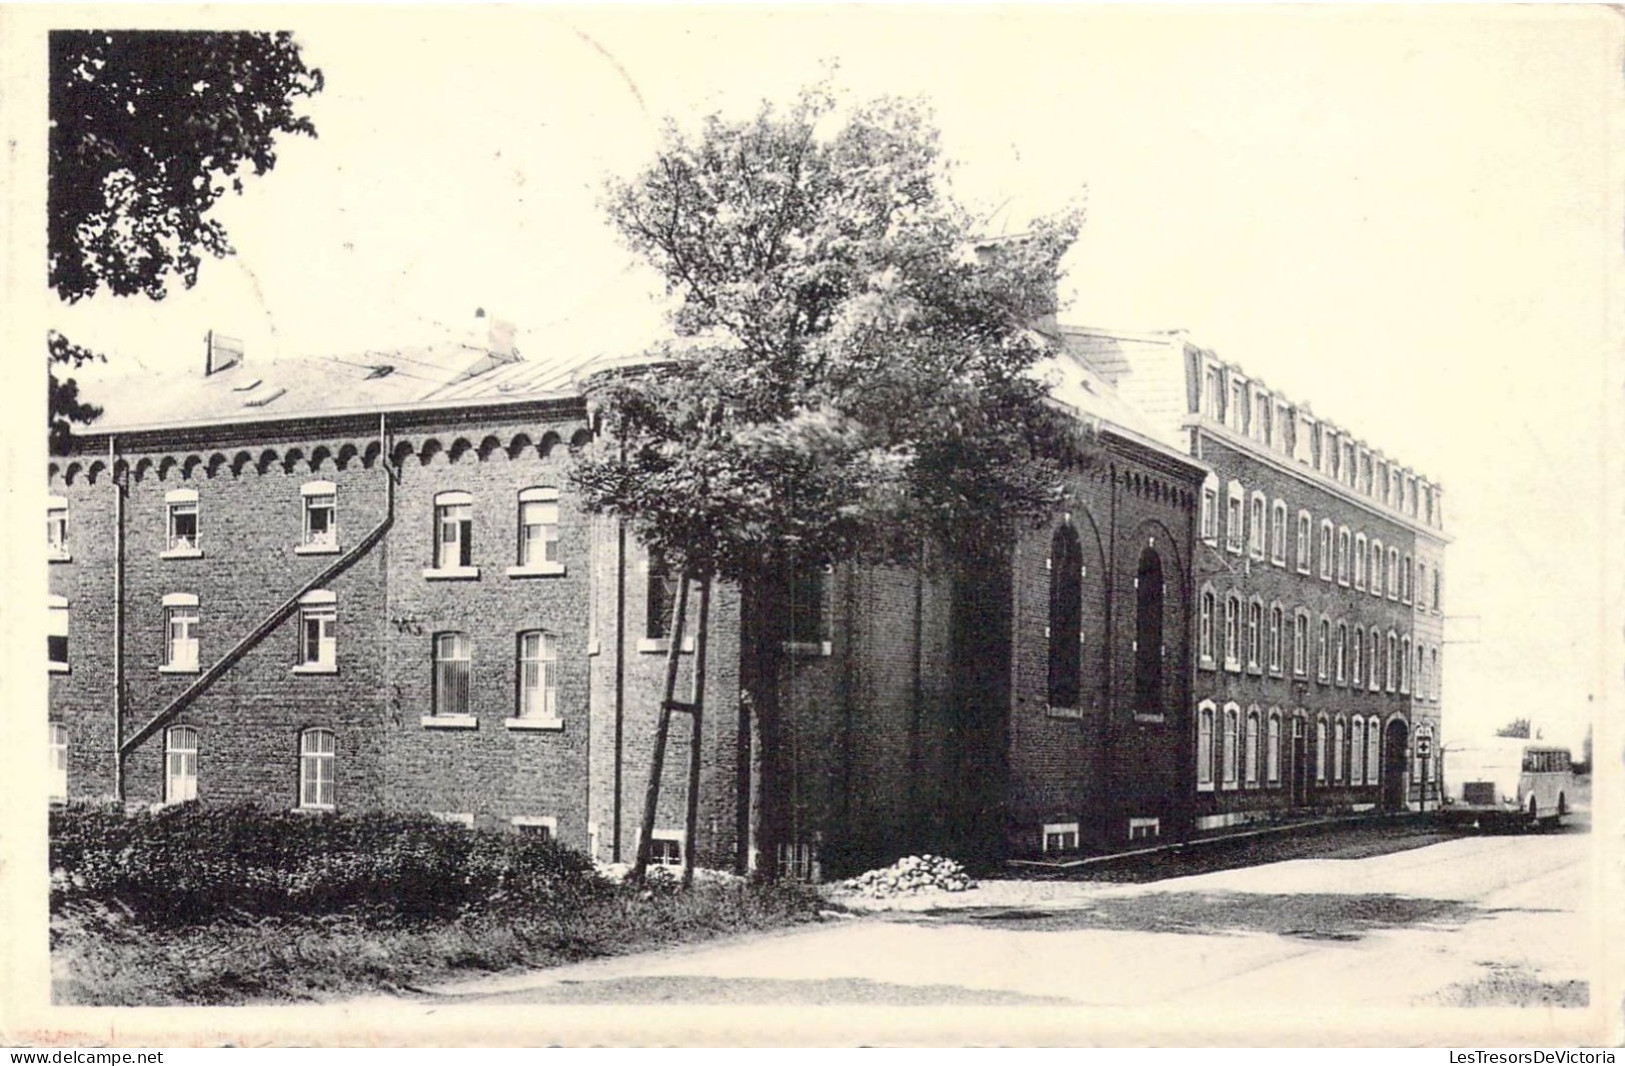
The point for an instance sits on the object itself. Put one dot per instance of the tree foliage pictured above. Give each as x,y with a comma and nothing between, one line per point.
148,130
1518,727
852,368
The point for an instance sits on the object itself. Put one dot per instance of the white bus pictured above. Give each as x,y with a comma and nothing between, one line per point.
1506,781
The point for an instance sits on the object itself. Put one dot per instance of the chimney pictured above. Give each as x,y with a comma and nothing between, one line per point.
220,352
492,335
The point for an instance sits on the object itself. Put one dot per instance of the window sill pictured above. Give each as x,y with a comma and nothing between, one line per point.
182,553
316,668
313,811
537,570
58,668
658,645
592,647
1153,719
1278,562
1232,666
316,549
1206,663
1304,570
59,557
449,721
534,724
452,573
1233,549
1255,670
1067,712
177,670
806,648
1204,787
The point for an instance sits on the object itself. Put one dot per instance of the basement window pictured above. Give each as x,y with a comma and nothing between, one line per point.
1060,837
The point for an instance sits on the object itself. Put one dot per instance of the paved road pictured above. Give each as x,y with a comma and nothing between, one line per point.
1480,920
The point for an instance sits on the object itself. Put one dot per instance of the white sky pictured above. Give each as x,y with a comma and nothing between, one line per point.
1401,215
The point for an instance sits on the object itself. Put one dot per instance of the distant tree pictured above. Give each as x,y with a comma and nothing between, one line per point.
1518,727
148,129
852,370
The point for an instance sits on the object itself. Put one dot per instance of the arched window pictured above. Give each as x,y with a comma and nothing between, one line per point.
1273,752
1391,579
1210,510
1065,618
1148,633
321,528
1252,748
539,529
1405,665
317,752
1255,526
1320,750
1376,568
454,531
1230,747
1339,752
1373,750
1343,555
180,764
1277,619
1407,579
1356,656
1303,545
1357,751
1232,632
1204,746
660,598
1360,561
1278,533
1390,672
1340,654
1433,673
1374,671
1326,549
1323,650
1300,644
1421,584
1255,635
1205,627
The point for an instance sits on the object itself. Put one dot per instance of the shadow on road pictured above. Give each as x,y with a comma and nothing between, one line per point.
1312,916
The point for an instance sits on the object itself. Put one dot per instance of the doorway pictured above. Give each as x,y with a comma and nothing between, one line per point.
1395,765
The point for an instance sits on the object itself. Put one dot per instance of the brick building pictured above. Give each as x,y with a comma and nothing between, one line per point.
364,582
1318,591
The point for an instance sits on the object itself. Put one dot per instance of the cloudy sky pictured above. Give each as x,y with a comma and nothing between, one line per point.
1401,215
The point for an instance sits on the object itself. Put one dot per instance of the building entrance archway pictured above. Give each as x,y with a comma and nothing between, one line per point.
1395,764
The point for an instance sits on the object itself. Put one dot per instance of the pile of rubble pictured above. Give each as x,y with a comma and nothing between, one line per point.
908,876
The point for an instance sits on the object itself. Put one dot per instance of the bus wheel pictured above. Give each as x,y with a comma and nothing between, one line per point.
1562,804
1534,814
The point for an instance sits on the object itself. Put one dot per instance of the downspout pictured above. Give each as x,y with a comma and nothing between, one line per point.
1187,744
1108,712
118,620
620,675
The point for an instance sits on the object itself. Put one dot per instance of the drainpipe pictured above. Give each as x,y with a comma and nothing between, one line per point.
620,674
1108,808
118,620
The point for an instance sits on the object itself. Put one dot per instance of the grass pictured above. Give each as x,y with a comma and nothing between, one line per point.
212,906
103,957
1516,986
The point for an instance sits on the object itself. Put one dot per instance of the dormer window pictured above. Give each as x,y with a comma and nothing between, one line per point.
1213,394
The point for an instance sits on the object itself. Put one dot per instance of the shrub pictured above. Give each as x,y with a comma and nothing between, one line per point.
189,864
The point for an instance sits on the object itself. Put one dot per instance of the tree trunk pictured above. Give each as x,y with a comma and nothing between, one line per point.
768,789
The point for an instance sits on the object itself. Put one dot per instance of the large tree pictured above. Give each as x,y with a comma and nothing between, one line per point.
149,129
852,369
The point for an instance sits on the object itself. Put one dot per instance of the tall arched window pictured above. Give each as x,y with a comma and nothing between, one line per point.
1357,751
1204,746
1273,752
1065,618
1373,750
1230,752
1252,749
317,751
180,764
1148,633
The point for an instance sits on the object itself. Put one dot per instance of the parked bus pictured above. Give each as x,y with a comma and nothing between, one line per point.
1506,781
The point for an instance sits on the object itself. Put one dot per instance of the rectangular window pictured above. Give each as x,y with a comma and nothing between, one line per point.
1391,582
1210,515
1204,748
661,600
1238,407
1255,530
799,862
1273,751
666,848
1205,628
181,648
1340,653
1323,650
1213,395
451,674
1255,636
1359,561
1342,556
806,606
455,540
183,534
1061,837
1276,638
56,766
1390,665
321,516
1320,751
1252,751
1304,537
1326,550
180,764
56,639
1233,521
56,528
538,528
1356,654
1230,749
1232,634
316,777
538,676
1278,534
318,644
